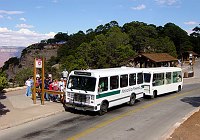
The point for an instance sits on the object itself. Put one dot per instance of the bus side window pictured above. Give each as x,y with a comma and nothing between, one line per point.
114,82
132,79
103,84
139,78
124,80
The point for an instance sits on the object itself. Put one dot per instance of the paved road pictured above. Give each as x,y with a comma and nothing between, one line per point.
147,120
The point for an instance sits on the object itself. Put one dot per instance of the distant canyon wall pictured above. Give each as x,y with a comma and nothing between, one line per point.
8,52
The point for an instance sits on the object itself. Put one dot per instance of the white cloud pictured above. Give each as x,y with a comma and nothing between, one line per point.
139,7
39,7
8,17
22,37
1,16
50,34
11,12
167,2
189,31
3,30
24,26
191,23
55,1
22,19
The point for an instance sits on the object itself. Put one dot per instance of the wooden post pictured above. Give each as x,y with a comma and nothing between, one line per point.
34,84
42,98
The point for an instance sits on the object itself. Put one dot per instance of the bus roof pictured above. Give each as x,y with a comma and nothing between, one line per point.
161,69
106,71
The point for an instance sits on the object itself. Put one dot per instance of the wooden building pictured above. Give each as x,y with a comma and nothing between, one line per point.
186,56
145,60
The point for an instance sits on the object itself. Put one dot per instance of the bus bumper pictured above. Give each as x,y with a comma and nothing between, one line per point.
81,106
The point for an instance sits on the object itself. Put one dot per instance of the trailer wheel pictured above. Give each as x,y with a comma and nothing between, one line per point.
154,94
179,88
103,108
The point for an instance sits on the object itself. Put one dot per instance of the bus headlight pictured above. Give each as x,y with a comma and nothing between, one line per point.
92,97
70,95
87,98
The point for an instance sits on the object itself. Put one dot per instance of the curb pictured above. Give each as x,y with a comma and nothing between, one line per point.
176,125
31,119
14,89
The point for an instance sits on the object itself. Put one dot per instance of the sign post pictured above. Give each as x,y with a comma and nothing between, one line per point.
42,98
38,63
34,86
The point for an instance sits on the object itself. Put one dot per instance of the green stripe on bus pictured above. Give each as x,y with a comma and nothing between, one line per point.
107,94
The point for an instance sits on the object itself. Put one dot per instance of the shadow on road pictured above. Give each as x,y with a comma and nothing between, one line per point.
3,109
114,109
194,101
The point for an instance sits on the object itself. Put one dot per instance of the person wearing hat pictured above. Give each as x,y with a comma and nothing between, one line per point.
61,84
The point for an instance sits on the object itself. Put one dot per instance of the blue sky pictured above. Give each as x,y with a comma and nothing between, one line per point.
23,22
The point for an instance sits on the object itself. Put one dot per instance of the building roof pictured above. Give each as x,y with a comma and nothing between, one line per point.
193,53
159,57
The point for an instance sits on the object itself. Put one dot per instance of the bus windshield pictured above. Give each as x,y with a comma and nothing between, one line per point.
81,83
147,77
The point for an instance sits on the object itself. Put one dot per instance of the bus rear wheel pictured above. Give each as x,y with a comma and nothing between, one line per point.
103,108
132,100
179,88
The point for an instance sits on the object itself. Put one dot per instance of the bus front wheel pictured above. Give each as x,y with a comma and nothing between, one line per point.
103,108
132,100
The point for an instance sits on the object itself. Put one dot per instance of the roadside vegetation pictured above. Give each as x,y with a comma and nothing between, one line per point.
3,81
111,45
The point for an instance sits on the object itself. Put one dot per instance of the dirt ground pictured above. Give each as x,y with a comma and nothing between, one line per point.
188,130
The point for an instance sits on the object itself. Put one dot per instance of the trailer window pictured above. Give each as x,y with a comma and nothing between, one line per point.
177,77
147,77
158,79
168,78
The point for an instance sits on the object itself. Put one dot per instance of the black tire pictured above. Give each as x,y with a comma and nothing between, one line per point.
154,95
179,88
132,100
103,108
62,100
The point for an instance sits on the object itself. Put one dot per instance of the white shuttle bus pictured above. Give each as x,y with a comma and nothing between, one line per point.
162,80
100,89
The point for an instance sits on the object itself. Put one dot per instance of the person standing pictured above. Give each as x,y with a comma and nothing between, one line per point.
28,88
65,73
62,88
46,86
61,84
55,85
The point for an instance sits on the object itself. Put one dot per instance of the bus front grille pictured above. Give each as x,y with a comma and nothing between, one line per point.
79,97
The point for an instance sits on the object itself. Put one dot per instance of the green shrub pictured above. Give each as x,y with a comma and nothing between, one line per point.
22,76
3,82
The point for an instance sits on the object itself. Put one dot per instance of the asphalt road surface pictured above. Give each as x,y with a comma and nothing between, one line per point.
149,119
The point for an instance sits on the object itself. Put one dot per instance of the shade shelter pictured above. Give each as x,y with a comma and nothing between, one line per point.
145,60
189,55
